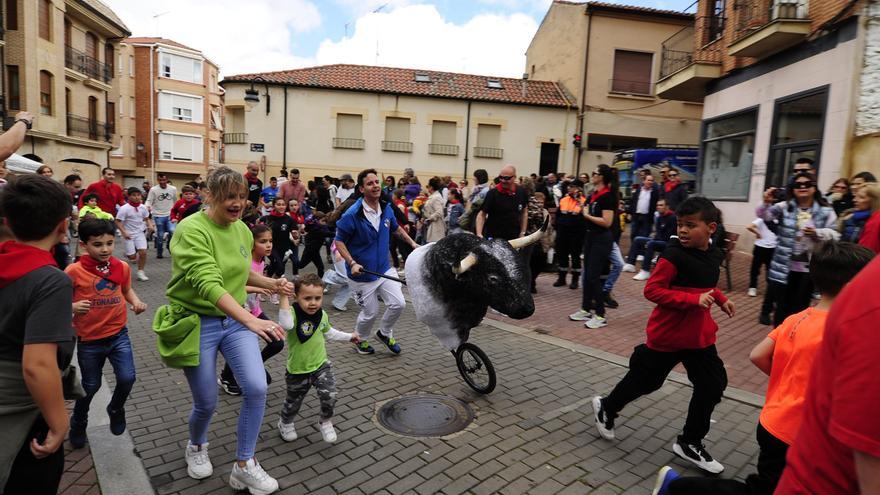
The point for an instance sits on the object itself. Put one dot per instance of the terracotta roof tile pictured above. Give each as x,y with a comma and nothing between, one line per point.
373,79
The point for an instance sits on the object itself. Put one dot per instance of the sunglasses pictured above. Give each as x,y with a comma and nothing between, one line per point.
505,177
803,185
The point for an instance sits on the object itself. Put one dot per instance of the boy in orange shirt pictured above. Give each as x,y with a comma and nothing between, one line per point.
786,355
101,287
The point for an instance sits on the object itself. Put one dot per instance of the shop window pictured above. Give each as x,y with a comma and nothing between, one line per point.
728,147
798,125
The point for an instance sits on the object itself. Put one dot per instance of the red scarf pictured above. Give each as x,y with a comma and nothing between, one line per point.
17,260
454,201
670,185
503,190
251,180
111,270
275,213
134,205
598,194
298,218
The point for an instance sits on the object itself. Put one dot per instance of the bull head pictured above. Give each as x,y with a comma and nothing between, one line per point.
520,242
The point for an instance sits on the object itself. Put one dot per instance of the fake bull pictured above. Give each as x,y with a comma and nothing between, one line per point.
453,282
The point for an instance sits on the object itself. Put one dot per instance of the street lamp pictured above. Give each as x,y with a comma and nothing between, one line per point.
252,96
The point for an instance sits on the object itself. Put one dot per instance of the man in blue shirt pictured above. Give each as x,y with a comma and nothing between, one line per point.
268,195
362,238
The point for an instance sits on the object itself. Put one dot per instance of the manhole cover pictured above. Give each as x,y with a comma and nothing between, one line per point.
425,415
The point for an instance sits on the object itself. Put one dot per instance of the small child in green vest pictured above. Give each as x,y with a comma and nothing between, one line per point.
307,326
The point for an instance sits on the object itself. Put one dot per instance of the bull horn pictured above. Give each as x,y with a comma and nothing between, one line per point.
521,242
465,264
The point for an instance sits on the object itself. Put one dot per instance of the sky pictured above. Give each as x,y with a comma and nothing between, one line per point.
486,37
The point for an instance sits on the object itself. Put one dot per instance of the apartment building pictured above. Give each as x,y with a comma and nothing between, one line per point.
345,118
170,111
608,56
58,63
779,80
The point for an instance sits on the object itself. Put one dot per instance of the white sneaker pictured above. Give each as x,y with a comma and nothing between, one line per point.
198,464
640,257
698,455
287,431
596,322
580,315
629,268
274,299
328,431
253,478
642,275
603,423
142,276
753,292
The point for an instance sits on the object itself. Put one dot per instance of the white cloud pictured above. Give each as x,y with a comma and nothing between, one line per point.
238,36
417,36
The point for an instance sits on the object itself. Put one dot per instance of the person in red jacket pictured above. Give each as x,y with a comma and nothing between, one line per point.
184,203
109,193
680,330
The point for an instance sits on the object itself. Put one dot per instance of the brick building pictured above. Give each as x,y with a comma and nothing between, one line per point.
779,80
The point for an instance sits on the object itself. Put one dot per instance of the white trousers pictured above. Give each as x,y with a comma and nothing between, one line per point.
366,295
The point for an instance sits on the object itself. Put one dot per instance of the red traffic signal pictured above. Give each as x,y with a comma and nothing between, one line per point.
576,140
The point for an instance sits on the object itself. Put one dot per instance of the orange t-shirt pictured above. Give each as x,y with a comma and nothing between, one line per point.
797,342
108,314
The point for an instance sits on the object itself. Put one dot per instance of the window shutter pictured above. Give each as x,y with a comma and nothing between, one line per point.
632,72
443,132
488,136
197,71
349,126
45,20
198,109
165,104
397,129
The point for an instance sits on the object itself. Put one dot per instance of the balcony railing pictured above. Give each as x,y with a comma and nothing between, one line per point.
484,152
235,138
85,64
637,88
443,149
692,44
397,146
348,143
751,15
88,128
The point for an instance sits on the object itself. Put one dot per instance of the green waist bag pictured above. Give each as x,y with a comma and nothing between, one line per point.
178,332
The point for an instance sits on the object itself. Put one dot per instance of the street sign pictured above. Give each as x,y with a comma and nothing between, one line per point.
258,147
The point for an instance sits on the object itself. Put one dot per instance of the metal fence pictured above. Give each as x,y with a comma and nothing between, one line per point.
235,138
88,128
443,149
349,143
693,44
484,152
85,64
397,146
751,15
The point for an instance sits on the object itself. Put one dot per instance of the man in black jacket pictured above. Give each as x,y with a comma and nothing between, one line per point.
674,191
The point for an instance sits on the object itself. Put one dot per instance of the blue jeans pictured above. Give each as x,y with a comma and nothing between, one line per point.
241,348
646,247
91,356
616,268
163,224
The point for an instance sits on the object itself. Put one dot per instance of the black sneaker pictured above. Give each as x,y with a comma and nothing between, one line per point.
117,420
604,422
697,454
610,302
764,319
392,344
229,386
268,378
364,348
77,434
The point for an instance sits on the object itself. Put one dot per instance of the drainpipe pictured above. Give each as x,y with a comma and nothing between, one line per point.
152,120
583,109
284,139
467,139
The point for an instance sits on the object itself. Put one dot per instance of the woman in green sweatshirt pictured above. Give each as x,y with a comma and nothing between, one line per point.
211,266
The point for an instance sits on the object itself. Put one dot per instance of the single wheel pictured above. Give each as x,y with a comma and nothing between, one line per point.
475,368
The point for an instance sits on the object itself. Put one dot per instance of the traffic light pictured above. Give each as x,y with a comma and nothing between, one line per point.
576,140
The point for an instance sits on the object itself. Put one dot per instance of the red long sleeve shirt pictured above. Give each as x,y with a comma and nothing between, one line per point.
109,196
180,208
680,276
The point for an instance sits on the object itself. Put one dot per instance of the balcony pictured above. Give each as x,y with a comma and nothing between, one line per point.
235,138
397,146
348,143
484,152
765,27
688,61
630,88
443,149
88,128
89,66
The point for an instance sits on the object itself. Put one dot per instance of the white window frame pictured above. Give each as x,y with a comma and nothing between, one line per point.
120,150
181,107
180,67
121,106
131,106
167,150
131,65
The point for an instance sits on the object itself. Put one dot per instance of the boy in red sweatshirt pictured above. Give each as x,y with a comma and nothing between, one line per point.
680,330
182,204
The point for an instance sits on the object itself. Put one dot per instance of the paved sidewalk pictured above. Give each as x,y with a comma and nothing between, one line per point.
534,434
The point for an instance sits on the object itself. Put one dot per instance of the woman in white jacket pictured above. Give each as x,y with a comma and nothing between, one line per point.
434,211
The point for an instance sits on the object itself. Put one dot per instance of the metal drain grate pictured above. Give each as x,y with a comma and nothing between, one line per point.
425,415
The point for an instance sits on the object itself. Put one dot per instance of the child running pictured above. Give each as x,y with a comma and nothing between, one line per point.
262,248
680,330
316,235
307,364
787,356
283,226
187,201
101,287
133,219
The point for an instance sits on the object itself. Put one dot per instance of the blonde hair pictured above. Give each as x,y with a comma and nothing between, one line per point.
872,190
223,182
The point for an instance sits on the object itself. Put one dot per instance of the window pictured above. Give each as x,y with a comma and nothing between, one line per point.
14,87
121,106
68,32
728,146
488,136
45,92
180,147
131,106
798,125
12,15
180,107
494,84
120,151
349,131
119,62
132,147
397,135
632,72
109,58
111,117
45,19
443,138
181,68
216,121
92,45
131,65
421,77
606,142
715,28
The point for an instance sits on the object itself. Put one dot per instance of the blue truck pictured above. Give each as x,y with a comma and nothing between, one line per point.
629,162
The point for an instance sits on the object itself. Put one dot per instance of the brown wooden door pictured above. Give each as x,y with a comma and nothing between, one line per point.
93,117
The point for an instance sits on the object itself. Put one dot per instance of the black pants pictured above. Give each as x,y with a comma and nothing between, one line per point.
641,225
771,463
36,476
271,349
569,244
761,256
648,370
277,265
792,297
597,252
536,262
312,254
